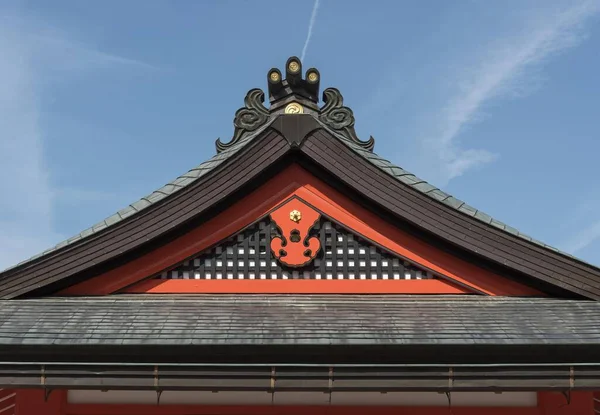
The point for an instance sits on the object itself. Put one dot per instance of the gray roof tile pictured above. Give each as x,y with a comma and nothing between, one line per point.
111,220
183,181
61,244
454,202
439,195
193,174
410,179
99,226
126,212
483,217
155,196
526,237
86,232
73,239
469,210
424,187
397,171
498,224
512,230
140,204
299,319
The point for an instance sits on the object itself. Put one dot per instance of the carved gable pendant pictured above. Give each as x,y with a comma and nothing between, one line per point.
294,247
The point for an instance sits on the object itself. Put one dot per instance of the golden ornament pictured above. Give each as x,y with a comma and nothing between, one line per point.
294,66
295,216
294,108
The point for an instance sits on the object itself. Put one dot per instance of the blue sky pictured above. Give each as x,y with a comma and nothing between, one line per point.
498,103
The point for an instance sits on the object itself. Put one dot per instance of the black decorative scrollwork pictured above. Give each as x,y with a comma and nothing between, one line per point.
247,119
340,118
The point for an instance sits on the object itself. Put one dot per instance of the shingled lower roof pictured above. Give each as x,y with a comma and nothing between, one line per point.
146,320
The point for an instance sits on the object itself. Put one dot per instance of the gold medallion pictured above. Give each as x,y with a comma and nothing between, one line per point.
294,66
295,216
274,76
294,108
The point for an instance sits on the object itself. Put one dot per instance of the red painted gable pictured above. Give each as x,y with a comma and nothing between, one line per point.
457,275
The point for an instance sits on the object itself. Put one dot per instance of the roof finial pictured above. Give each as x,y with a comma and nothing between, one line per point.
293,86
294,95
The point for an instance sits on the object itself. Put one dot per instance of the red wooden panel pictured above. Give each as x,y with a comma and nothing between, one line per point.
7,401
569,403
298,287
35,402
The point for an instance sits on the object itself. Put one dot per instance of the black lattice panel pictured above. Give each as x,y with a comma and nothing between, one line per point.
343,255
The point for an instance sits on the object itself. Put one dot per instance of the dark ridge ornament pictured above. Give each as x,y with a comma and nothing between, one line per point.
340,118
253,116
293,87
313,77
294,95
293,71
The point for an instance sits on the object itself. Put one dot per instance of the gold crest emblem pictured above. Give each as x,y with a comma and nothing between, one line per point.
295,216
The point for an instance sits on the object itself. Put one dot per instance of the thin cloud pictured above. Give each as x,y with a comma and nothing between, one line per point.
311,24
502,72
67,54
585,219
75,195
583,239
26,202
26,193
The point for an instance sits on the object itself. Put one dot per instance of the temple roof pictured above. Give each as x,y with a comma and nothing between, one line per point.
290,96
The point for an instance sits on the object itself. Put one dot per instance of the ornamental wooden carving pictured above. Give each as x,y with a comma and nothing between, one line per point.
248,119
294,247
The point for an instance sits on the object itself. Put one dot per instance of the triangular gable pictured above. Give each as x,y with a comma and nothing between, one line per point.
247,256
357,252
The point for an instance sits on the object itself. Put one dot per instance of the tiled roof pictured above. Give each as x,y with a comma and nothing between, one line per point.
299,320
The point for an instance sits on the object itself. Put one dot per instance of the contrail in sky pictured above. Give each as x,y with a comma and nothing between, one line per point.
311,24
503,70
